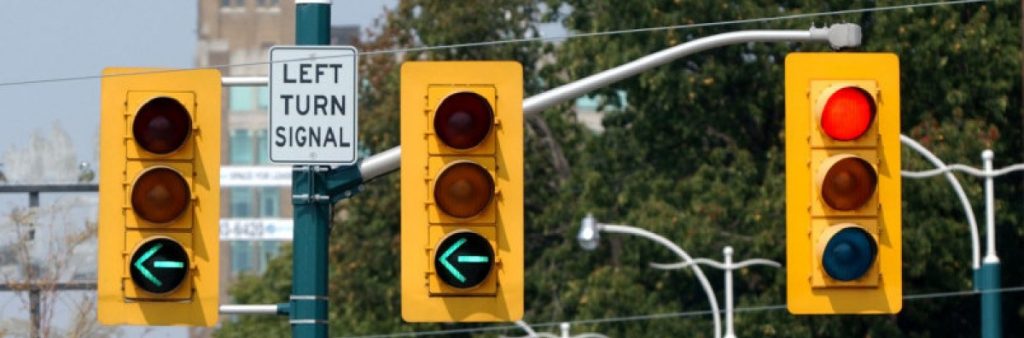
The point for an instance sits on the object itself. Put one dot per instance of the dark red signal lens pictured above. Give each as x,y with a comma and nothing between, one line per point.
463,189
849,183
847,114
161,126
160,195
463,120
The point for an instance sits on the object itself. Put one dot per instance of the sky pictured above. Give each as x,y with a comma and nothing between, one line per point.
44,40
66,38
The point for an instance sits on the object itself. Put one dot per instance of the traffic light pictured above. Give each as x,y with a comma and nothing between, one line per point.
843,226
462,191
159,197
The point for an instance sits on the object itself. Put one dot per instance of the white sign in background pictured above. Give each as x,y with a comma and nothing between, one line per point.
255,176
256,229
313,104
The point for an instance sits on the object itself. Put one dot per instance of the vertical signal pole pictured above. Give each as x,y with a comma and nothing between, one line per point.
991,319
312,204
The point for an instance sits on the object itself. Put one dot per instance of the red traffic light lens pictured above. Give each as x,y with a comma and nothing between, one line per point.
463,189
847,114
161,126
849,182
160,195
463,120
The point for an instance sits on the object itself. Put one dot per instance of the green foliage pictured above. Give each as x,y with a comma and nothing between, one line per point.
696,155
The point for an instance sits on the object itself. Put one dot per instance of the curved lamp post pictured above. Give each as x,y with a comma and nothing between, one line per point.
986,276
589,237
728,266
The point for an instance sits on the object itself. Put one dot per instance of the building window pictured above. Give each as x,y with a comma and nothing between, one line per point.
241,202
241,147
241,99
252,257
232,6
262,147
267,4
270,202
264,98
241,257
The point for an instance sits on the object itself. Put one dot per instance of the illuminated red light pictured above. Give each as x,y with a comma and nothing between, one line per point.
847,114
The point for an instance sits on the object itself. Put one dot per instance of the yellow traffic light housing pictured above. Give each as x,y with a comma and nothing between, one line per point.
462,191
159,197
843,212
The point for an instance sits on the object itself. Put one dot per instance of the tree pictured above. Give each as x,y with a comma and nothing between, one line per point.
693,152
364,248
47,158
697,155
45,251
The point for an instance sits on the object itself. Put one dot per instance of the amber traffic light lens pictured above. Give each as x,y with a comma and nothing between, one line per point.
160,195
849,183
161,126
463,120
847,114
463,189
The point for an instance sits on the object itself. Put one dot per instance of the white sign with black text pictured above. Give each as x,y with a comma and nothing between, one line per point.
313,104
255,176
256,229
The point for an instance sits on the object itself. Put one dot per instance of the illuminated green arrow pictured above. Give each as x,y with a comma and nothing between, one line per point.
156,264
461,259
472,259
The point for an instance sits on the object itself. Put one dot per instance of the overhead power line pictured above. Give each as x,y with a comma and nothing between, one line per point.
657,316
539,39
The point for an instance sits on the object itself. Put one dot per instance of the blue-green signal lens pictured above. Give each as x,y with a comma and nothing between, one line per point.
849,254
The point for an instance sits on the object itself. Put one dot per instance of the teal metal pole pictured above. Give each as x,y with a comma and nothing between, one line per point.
991,305
312,205
308,301
312,22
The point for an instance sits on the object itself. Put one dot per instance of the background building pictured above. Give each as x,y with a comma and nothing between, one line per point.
237,32
256,215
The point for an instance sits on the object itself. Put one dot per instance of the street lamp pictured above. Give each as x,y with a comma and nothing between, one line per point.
589,237
728,266
986,274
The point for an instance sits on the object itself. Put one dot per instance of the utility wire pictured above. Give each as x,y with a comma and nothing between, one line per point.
533,39
684,314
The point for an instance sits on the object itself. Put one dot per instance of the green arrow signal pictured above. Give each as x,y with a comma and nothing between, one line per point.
461,259
444,260
156,264
168,264
471,259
